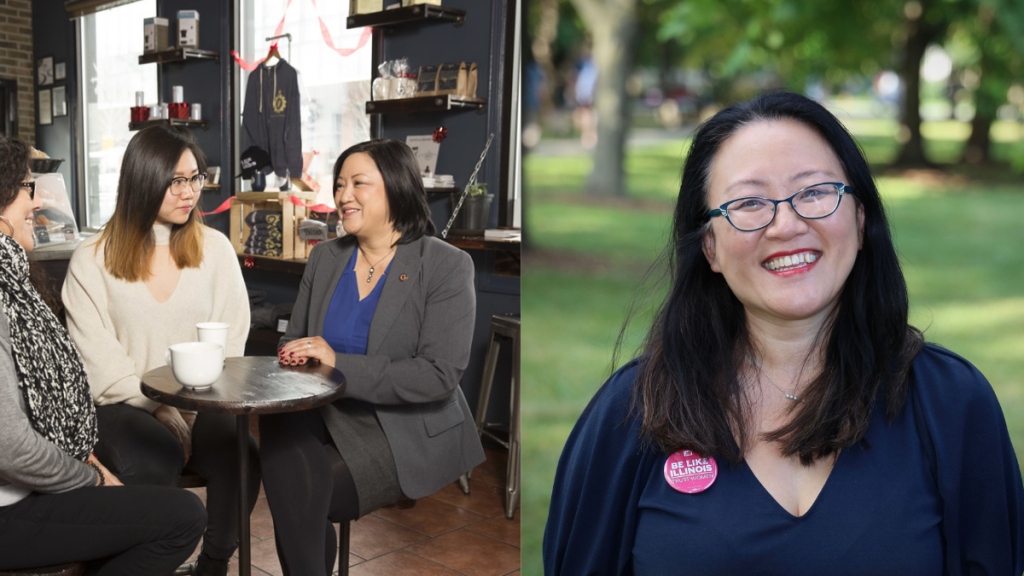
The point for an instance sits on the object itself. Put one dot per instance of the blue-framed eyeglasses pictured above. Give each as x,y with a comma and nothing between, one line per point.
810,203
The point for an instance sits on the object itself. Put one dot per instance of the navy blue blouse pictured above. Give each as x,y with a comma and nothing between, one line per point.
937,491
347,324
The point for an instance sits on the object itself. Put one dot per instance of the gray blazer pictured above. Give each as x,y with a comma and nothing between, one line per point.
417,349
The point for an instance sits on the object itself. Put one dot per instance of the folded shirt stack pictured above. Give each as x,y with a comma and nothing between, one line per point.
266,234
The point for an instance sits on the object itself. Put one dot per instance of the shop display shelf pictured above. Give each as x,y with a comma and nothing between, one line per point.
442,190
408,15
179,55
474,240
425,104
133,126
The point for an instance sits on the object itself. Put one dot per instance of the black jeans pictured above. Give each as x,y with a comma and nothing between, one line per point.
140,450
306,482
128,530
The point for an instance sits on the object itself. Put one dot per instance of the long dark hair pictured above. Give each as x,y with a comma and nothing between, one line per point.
407,200
147,168
688,393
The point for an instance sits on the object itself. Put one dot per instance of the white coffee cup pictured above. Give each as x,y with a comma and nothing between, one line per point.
196,364
216,332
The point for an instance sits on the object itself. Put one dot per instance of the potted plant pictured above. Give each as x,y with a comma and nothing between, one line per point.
476,208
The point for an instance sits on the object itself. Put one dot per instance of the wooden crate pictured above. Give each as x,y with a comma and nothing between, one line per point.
245,203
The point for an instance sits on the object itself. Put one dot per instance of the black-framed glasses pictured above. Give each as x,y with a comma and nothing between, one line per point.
810,203
31,186
182,184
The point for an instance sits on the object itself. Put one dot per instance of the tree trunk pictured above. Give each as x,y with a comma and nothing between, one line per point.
919,35
985,105
541,48
612,25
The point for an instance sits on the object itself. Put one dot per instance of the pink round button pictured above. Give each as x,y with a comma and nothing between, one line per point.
689,472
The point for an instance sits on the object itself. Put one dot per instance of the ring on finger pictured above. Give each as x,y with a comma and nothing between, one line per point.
309,344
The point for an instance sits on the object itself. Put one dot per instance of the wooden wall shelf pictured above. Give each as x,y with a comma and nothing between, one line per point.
133,126
408,15
178,55
425,104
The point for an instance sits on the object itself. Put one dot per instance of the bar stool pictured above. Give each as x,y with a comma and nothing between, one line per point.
503,327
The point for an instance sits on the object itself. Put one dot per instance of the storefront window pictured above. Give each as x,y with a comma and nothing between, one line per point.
334,89
111,41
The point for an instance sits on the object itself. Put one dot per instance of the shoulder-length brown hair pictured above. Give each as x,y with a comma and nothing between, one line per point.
146,171
688,393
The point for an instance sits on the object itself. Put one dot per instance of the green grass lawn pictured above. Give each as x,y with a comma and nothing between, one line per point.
960,240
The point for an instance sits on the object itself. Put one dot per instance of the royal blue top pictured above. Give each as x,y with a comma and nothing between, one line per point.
347,324
937,491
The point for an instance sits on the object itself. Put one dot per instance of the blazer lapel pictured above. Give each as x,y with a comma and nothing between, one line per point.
395,292
340,253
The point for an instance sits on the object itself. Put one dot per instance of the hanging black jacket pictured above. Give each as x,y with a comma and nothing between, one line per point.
270,118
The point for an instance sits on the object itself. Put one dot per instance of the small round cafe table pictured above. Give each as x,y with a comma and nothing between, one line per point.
249,385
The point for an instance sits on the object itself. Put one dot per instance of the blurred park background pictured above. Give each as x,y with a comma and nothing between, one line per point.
933,91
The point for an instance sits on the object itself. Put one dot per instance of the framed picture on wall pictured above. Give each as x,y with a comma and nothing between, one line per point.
60,71
45,108
60,101
44,71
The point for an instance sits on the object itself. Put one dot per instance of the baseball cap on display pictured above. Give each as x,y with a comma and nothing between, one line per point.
253,160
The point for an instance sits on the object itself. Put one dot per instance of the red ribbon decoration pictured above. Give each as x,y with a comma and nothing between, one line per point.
363,39
250,262
319,208
225,206
440,134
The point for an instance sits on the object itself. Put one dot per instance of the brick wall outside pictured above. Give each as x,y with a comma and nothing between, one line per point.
16,61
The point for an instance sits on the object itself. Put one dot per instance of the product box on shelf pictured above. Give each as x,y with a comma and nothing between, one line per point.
266,224
414,2
365,7
188,29
155,33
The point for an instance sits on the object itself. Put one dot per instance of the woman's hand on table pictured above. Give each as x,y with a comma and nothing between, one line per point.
108,477
182,430
303,350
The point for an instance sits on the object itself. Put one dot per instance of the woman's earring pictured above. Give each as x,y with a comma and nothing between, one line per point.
8,222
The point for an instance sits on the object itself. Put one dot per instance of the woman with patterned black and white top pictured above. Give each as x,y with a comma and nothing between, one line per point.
55,502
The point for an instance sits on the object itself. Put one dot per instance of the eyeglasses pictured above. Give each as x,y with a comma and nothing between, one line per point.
811,203
31,185
180,185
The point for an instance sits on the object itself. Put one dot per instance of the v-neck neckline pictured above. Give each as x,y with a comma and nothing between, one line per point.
817,499
181,272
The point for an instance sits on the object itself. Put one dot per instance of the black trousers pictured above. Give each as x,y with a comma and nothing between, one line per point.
308,486
140,450
127,530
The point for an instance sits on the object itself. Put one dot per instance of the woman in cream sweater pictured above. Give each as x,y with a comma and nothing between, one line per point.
139,287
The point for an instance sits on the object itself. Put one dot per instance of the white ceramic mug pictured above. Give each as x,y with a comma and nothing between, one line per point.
196,364
216,332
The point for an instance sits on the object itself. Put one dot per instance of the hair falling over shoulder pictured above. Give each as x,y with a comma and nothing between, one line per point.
146,172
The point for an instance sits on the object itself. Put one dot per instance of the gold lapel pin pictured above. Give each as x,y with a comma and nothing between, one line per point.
403,277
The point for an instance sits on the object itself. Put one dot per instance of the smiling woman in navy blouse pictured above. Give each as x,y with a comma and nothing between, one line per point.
784,418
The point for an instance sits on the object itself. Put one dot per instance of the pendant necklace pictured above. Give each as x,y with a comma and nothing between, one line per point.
372,266
789,396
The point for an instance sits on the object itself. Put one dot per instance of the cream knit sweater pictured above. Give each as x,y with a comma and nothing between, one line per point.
122,332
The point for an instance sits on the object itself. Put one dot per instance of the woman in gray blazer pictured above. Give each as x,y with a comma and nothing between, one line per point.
393,308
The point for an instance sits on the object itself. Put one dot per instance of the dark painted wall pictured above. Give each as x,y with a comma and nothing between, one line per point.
480,40
53,33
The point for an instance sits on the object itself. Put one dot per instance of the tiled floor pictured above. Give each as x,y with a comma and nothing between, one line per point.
446,534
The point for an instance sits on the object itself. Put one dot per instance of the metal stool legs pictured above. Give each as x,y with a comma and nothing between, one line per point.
344,533
503,327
